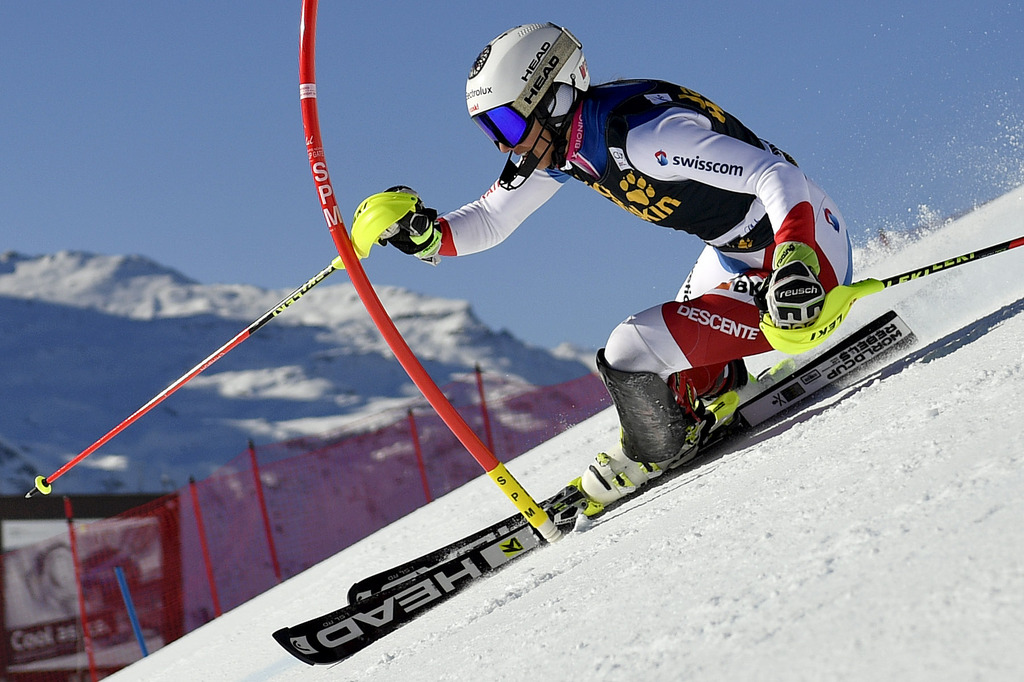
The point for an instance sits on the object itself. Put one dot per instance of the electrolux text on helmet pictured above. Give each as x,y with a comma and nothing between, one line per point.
478,92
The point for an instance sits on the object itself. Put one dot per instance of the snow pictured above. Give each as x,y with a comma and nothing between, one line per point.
875,535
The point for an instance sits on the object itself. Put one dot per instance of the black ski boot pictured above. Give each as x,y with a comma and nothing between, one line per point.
657,433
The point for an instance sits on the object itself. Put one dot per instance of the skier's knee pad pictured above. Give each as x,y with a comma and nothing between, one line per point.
654,427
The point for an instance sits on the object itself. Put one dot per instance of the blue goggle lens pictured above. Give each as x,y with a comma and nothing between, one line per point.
503,125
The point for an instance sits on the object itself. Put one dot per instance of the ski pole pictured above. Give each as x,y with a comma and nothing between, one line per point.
44,485
839,300
952,262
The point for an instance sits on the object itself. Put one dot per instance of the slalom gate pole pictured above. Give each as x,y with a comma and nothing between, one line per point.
536,516
129,605
43,485
83,613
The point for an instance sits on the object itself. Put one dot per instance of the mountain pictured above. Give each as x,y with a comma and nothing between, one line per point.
87,339
873,535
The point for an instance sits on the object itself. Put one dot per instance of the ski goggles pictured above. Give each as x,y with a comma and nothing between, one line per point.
504,125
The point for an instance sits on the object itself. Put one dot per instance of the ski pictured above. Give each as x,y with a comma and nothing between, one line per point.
381,603
337,635
405,571
853,353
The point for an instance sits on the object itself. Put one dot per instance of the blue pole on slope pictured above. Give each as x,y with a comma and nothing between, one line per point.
126,595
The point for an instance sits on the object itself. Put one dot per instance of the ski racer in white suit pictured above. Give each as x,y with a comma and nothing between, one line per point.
673,158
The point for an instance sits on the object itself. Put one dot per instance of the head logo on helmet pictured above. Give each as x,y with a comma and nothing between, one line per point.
516,80
502,72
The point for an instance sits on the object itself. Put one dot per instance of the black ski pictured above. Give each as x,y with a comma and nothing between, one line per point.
405,571
853,353
337,635
381,603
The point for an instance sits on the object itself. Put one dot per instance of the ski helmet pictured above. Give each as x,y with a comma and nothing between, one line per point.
531,72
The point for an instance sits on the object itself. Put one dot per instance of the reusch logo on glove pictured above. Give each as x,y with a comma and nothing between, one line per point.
794,291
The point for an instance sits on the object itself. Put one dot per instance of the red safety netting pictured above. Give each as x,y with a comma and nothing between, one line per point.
205,549
43,602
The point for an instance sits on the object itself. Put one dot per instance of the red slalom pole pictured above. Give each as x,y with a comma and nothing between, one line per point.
537,517
204,546
483,408
418,450
82,611
268,529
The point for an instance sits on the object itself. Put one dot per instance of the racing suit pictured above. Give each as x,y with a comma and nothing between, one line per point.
673,158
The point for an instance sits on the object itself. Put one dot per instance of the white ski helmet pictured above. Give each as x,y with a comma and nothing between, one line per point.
517,72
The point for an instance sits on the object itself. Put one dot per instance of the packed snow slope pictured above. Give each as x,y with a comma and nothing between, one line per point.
875,535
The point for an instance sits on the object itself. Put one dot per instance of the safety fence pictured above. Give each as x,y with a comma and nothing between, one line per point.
98,597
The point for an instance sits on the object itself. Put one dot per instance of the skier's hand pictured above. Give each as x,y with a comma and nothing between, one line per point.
415,233
793,296
787,252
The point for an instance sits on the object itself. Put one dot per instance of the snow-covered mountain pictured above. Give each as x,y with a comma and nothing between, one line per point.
875,535
87,339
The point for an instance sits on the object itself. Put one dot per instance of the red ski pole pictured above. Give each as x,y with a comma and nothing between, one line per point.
44,484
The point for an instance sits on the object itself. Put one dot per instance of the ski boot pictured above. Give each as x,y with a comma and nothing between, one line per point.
614,474
662,427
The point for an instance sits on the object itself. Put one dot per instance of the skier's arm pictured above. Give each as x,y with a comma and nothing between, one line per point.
476,226
489,220
695,152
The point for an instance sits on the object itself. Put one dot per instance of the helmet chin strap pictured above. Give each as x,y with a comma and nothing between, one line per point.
513,172
513,175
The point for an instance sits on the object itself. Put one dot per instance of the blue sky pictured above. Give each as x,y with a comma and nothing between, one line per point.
173,130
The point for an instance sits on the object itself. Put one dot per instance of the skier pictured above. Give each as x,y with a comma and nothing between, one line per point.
775,242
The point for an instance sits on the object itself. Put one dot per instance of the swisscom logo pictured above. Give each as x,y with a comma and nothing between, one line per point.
662,157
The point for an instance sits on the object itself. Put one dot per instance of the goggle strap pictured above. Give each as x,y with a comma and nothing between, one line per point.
563,48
